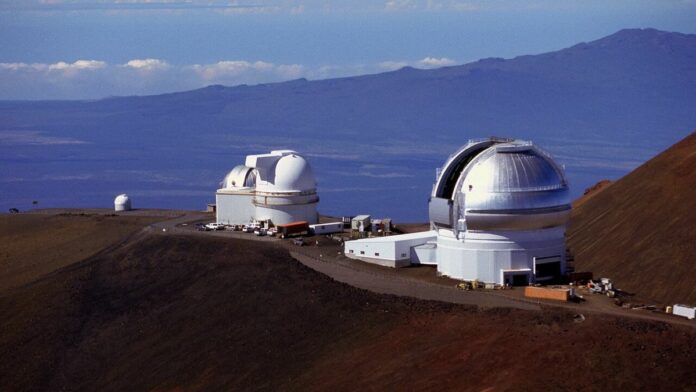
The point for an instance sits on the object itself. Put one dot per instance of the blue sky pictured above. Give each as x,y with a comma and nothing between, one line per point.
83,49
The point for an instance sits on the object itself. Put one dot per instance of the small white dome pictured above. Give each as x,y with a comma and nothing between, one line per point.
293,173
122,202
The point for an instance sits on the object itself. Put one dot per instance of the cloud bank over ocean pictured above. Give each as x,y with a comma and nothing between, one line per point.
91,79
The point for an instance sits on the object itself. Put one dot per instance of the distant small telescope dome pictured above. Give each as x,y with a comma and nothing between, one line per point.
122,203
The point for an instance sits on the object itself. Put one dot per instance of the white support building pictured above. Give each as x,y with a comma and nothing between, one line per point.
279,187
498,209
390,251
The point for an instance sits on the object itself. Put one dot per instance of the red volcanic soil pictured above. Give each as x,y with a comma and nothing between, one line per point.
591,192
641,230
167,312
36,244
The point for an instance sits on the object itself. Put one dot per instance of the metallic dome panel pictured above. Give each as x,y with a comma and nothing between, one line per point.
509,185
520,170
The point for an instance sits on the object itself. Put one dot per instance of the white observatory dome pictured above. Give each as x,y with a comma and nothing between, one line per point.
122,203
293,173
498,214
500,184
277,187
240,177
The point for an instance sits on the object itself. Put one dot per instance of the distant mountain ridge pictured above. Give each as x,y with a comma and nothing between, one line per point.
613,86
605,106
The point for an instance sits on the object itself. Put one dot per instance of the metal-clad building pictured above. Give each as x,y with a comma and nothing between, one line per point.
359,220
279,187
391,251
499,208
326,228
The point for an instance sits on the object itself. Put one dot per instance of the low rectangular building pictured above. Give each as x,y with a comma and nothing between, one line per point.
358,220
392,251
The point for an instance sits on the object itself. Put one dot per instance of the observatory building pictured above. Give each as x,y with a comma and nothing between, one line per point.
122,203
498,213
278,187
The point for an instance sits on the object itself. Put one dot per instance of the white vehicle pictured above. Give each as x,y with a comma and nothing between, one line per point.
215,226
684,311
260,231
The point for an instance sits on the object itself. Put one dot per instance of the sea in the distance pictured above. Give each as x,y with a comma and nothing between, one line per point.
388,178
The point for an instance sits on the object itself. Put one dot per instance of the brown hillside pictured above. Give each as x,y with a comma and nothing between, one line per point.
641,231
187,313
591,192
36,244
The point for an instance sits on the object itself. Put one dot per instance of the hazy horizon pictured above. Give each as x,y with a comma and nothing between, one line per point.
95,49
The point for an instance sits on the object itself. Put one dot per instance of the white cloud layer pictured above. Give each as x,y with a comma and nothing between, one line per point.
147,64
77,65
88,79
432,62
59,66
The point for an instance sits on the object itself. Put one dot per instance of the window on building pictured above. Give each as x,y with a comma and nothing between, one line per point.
362,252
350,251
376,254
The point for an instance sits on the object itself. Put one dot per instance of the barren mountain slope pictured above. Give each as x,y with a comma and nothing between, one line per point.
641,231
190,313
32,245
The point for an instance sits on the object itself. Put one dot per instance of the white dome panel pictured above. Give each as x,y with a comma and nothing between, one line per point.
240,177
498,170
293,173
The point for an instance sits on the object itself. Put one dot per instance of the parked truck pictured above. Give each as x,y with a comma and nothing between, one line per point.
293,229
684,311
326,228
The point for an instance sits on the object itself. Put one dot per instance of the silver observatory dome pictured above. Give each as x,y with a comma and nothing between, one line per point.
499,184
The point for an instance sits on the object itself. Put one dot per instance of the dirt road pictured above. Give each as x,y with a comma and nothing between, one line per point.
424,286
